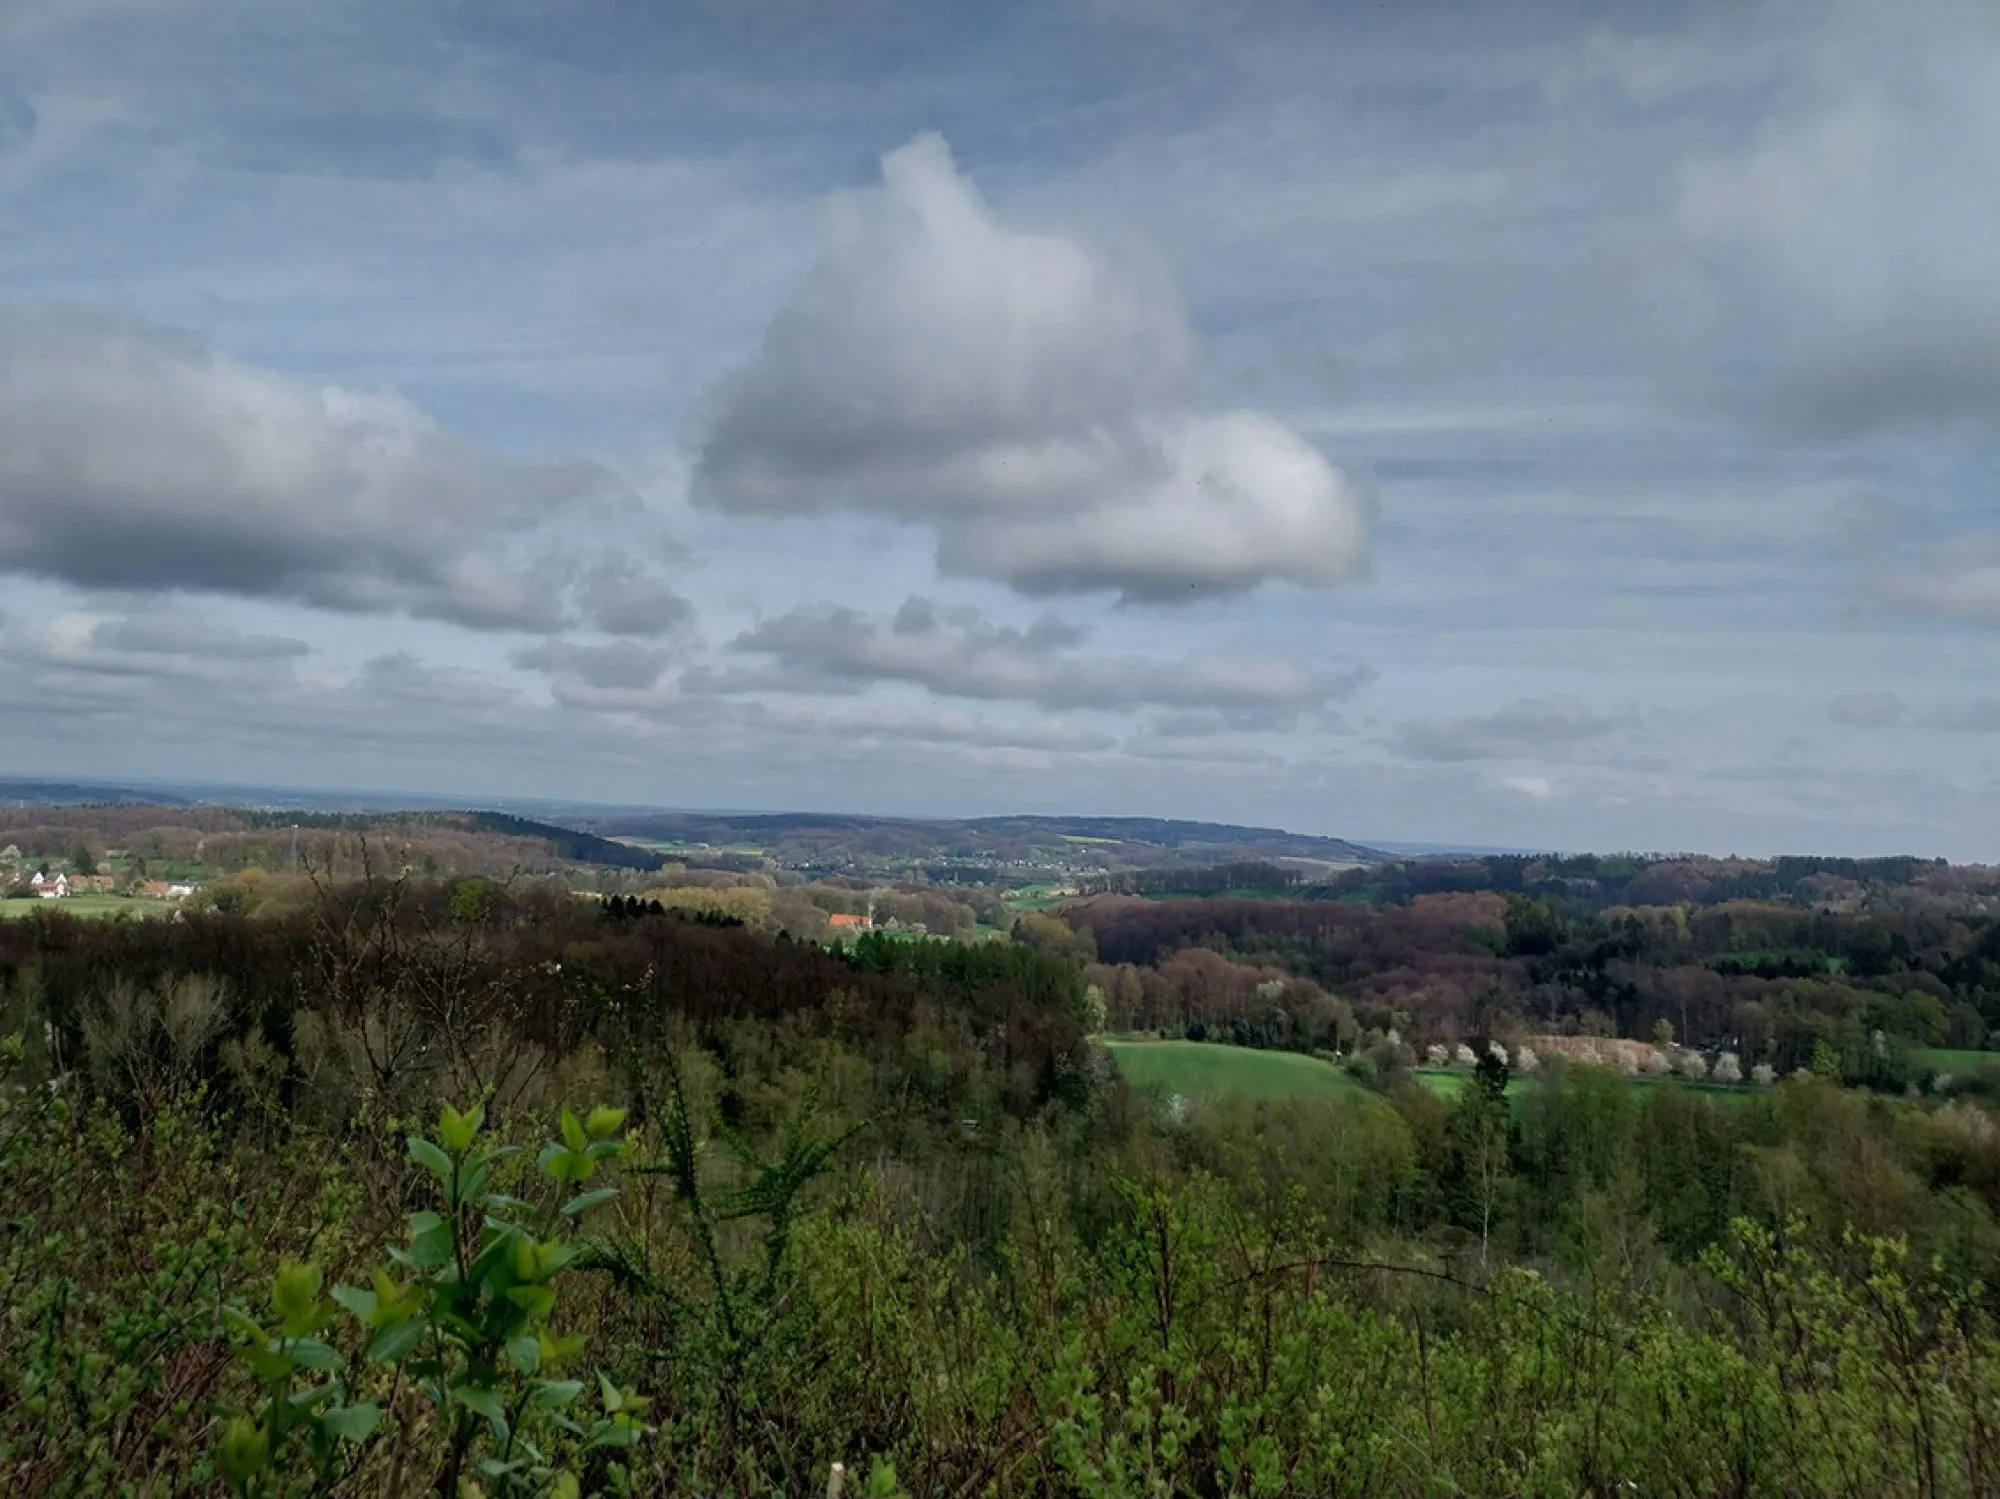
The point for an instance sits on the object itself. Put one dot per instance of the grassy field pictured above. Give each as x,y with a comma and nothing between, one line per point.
1448,1084
691,850
1036,896
1945,1059
1211,1069
85,905
1215,1069
1248,892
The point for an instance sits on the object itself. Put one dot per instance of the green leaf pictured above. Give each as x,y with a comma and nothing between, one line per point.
472,1183
310,1353
616,1434
583,1202
242,1326
558,1350
393,1344
548,1260
603,1122
245,1448
353,1423
483,1403
536,1301
305,1400
564,1165
605,1149
294,1288
572,1131
430,1157
430,1241
268,1363
497,1254
307,1320
613,1400
553,1394
362,1305
526,1354
456,1130
493,1467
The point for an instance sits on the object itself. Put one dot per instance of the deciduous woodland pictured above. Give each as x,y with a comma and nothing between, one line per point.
264,1228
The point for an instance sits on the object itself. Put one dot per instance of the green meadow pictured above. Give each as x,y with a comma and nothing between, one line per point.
1209,1069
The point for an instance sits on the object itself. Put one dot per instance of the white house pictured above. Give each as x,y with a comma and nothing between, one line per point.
50,886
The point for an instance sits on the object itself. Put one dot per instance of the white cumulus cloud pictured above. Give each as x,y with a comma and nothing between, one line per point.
133,457
1028,397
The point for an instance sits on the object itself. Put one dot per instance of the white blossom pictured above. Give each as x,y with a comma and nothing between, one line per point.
1498,1052
1763,1074
1437,1055
1692,1064
1653,1062
1728,1069
1525,1059
1968,1122
1464,1056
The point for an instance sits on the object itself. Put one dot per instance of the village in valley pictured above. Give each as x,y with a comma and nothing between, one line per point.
117,877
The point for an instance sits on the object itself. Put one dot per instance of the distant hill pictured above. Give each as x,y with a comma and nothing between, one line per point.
805,839
16,792
831,842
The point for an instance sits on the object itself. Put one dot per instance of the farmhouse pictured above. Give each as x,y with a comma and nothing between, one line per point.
842,921
50,886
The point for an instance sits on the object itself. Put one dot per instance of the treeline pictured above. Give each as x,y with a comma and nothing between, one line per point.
233,839
1246,875
535,972
835,844
1770,982
888,1208
565,843
1587,883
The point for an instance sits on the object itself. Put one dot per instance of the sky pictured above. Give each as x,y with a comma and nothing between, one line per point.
1539,425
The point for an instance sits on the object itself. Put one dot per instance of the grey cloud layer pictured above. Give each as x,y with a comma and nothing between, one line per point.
960,653
1025,396
619,599
136,458
621,664
1528,728
1854,239
1619,310
1960,583
1870,710
157,645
